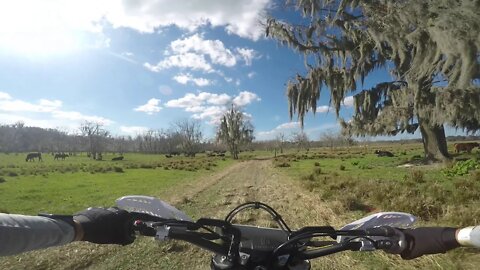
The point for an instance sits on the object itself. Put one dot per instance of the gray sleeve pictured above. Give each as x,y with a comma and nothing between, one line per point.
20,233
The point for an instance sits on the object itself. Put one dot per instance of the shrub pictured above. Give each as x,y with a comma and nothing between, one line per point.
309,177
355,163
12,174
342,167
2,180
461,168
317,164
417,176
147,166
118,169
318,171
282,164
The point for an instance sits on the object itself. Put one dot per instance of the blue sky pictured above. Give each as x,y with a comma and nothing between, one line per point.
139,65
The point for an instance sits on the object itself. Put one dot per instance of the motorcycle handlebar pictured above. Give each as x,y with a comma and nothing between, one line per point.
418,242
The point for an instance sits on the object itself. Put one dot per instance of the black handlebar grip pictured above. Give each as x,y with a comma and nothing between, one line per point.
429,240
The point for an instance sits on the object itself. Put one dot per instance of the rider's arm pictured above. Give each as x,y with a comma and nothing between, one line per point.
20,233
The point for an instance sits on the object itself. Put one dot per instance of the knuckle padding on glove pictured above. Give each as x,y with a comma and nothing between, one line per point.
106,226
428,240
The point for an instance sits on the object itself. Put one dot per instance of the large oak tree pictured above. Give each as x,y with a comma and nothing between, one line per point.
431,49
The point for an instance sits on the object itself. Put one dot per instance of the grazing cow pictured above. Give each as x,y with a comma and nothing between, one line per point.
465,147
32,156
381,153
168,156
117,158
60,156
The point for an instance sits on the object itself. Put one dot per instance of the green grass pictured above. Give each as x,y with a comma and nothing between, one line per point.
363,182
77,183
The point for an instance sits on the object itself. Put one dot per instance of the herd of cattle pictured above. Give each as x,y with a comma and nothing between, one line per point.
459,147
57,156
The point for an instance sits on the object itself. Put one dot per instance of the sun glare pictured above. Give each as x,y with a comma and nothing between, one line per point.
42,28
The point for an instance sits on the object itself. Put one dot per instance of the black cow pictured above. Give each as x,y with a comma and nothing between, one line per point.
381,153
33,156
117,158
60,155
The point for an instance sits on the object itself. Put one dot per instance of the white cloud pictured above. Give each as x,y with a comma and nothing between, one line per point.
228,79
348,101
48,113
251,74
289,127
213,113
150,107
56,26
238,17
186,60
203,98
133,130
210,106
214,49
185,78
79,117
245,98
4,96
7,103
196,53
247,55
323,109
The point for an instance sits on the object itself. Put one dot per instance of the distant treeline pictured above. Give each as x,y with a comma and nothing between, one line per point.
20,138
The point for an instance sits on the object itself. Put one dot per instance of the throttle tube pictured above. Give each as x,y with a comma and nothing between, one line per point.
469,236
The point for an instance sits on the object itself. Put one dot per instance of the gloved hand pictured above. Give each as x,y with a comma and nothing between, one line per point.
106,226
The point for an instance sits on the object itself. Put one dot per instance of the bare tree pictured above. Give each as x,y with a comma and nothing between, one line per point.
280,140
301,140
234,130
190,135
96,136
334,139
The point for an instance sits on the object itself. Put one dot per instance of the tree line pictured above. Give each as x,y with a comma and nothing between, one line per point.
184,137
234,134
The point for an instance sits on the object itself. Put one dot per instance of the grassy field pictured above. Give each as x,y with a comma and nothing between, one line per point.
446,194
338,185
66,186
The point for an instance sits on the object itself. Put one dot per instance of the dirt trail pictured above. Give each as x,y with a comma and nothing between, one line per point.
211,196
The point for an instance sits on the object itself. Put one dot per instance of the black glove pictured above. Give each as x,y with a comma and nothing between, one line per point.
428,240
106,226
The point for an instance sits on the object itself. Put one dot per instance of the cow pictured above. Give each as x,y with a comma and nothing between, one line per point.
33,156
168,156
381,153
60,156
465,147
117,158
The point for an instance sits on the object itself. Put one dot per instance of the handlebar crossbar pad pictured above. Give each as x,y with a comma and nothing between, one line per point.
261,239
